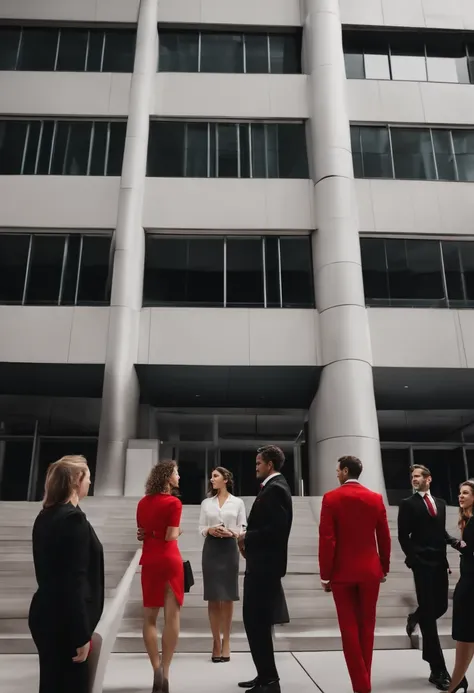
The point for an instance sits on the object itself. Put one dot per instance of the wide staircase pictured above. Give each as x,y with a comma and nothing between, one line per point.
313,624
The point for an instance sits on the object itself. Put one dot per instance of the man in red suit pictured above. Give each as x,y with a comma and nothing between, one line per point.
354,558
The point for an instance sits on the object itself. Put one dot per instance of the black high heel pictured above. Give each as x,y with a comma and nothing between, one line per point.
461,686
158,681
224,659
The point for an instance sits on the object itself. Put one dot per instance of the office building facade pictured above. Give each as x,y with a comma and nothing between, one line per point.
228,223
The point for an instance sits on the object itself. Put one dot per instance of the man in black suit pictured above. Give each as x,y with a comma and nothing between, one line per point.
423,537
265,546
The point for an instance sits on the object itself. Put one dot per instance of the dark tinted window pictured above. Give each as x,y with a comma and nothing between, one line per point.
463,141
119,51
166,149
44,279
222,53
32,144
256,53
77,151
414,270
96,51
94,270
99,149
72,50
12,146
13,261
374,270
272,272
71,270
444,155
116,148
9,43
458,259
196,150
292,155
244,272
228,163
371,152
178,51
296,272
413,154
38,49
285,53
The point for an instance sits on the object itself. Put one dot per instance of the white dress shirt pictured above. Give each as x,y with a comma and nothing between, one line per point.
269,477
232,514
427,493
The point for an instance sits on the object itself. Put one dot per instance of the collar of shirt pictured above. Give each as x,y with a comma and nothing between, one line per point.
270,477
425,493
352,481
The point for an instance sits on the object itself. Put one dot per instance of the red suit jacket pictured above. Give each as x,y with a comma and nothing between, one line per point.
352,517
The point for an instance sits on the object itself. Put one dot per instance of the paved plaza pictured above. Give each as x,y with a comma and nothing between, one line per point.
301,672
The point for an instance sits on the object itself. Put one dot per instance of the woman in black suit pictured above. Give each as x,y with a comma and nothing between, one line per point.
463,599
69,567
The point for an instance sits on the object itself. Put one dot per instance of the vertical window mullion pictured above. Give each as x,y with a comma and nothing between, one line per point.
269,55
225,271
391,150
463,278
91,146
66,149
25,148
38,151
217,149
434,154
27,273
244,49
63,269
426,62
185,149
79,265
199,51
264,249
456,170
107,149
56,57
443,270
249,132
53,142
280,277
265,139
18,52
390,61
208,150
87,50
103,53
239,167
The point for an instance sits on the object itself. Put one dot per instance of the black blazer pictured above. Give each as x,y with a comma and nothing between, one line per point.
467,552
69,567
268,529
423,538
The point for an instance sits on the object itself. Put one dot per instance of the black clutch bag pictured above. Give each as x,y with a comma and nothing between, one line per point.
188,576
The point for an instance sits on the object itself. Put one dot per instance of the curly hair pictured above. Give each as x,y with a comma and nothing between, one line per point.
463,516
229,482
159,477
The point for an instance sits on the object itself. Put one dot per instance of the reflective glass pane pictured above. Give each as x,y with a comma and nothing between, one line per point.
463,141
12,146
408,59
227,151
356,146
222,52
116,148
354,63
13,260
272,272
99,149
94,270
9,40
259,167
244,272
119,52
444,154
46,264
38,49
165,271
271,147
447,59
285,54
68,296
60,145
415,272
453,271
376,155
178,51
205,272
376,66
196,152
244,145
78,146
466,251
413,154
256,53
96,50
45,147
292,154
166,149
374,271
32,144
296,272
72,50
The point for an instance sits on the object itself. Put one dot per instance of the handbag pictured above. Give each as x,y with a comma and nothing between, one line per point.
188,576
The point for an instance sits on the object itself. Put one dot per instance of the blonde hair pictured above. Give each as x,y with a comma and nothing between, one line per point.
63,478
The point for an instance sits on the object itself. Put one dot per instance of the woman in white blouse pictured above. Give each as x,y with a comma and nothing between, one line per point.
222,519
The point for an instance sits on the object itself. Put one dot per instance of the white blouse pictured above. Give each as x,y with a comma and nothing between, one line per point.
232,514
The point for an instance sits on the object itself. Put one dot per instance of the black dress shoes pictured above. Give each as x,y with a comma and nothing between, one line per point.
440,679
411,624
273,687
248,684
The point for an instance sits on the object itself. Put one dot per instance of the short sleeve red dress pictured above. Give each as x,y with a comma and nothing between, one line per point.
161,560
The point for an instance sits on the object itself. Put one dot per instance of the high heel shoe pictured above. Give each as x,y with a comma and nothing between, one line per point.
461,686
224,659
158,681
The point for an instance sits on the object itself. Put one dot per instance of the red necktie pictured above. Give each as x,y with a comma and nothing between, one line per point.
430,506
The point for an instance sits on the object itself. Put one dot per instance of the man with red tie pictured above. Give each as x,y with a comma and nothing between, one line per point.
354,558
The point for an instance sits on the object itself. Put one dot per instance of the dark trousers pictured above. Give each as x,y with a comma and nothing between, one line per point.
262,595
432,584
58,673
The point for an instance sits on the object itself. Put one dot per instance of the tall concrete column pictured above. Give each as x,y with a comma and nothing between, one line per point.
121,392
343,417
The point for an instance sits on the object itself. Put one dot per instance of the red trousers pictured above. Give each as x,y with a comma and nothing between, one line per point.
356,605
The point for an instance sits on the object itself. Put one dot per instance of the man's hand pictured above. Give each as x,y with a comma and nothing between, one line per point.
326,586
384,579
140,534
241,544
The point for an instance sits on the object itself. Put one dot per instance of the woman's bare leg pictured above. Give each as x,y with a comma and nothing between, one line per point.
170,635
227,612
150,636
214,611
464,655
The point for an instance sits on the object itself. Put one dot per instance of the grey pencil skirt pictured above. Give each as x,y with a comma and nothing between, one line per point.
220,570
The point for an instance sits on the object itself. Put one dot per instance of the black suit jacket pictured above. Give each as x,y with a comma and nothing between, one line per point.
69,567
268,529
467,552
423,538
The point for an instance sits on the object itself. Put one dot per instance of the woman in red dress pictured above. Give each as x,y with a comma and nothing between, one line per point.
158,519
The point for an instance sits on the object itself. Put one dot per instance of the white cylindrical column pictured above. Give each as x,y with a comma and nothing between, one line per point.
343,416
121,392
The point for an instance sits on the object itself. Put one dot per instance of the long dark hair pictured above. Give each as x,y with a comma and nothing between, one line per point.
229,481
463,516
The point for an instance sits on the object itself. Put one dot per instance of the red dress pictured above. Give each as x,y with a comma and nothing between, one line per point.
161,560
